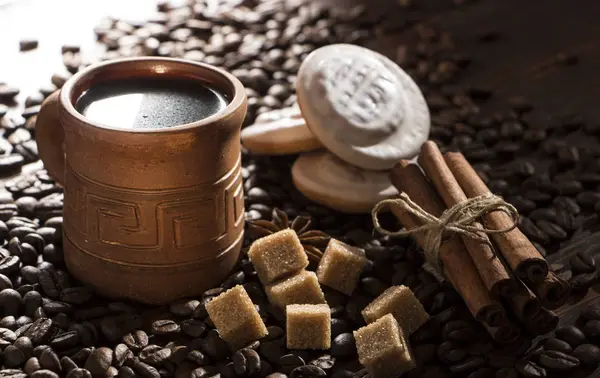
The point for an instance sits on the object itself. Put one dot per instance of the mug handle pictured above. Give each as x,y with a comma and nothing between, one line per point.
50,137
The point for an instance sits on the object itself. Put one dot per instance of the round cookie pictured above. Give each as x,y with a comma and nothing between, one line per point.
362,106
328,180
279,132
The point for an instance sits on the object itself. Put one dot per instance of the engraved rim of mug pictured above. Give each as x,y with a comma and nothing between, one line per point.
143,67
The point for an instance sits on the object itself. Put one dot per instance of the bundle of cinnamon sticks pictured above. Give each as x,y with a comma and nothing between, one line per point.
503,280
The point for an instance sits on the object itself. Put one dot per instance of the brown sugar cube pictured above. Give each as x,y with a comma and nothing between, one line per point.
341,266
235,317
308,326
382,348
277,255
402,304
303,288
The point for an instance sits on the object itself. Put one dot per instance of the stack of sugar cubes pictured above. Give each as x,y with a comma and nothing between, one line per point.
280,263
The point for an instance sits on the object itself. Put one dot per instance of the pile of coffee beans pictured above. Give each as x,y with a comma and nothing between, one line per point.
53,326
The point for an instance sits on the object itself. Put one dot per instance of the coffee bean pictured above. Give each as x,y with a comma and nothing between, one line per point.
555,360
67,364
183,307
583,262
32,365
553,230
40,331
450,352
76,295
568,204
79,373
583,281
13,357
44,373
145,370
65,340
49,360
307,371
458,331
98,361
10,302
532,231
571,334
558,345
343,345
154,355
467,366
588,354
136,341
214,346
529,369
165,327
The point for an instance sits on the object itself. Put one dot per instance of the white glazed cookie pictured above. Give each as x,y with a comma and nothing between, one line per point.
362,106
328,180
279,132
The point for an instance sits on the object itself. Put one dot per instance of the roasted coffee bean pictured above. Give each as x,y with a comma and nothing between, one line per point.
307,371
193,327
214,346
99,361
529,369
588,354
67,364
44,373
571,334
458,331
591,312
65,340
154,355
145,370
8,264
555,360
567,203
583,262
588,199
532,231
136,341
343,345
583,281
76,295
592,329
32,365
558,345
553,230
467,366
13,357
10,302
79,373
40,331
450,352
183,307
49,360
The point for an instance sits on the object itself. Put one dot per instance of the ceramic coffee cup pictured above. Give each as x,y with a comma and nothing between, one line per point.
149,214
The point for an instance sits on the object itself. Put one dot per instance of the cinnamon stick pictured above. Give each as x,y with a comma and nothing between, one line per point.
504,334
524,305
553,291
522,257
458,266
490,268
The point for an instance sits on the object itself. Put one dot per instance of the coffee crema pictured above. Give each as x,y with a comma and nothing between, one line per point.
149,103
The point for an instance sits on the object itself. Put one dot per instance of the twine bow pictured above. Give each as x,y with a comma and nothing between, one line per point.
461,219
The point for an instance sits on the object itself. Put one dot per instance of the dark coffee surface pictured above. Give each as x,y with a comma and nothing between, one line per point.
149,103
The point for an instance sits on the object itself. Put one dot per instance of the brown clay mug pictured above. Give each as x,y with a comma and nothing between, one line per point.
149,214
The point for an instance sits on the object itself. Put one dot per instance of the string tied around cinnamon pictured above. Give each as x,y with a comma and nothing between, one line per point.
462,219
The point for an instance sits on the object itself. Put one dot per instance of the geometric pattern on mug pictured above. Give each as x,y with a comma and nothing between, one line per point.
183,222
